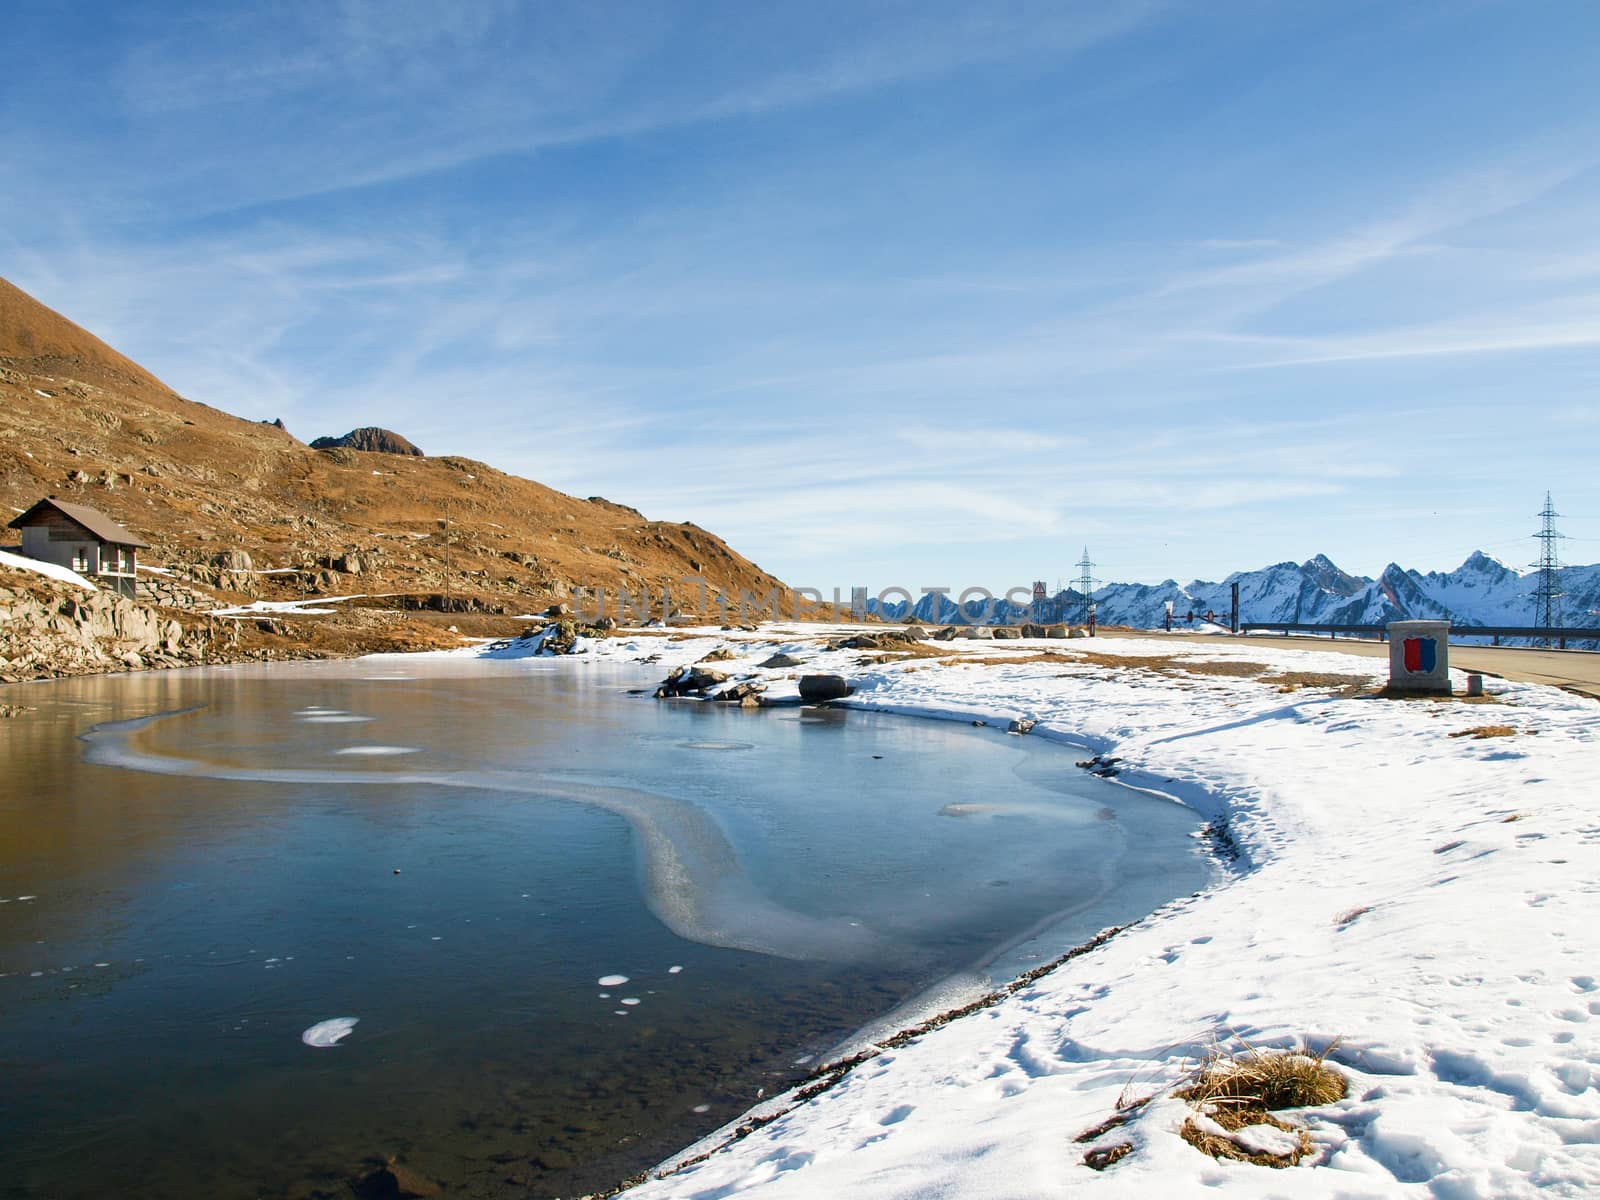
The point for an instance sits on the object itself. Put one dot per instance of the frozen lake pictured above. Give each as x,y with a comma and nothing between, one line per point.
506,922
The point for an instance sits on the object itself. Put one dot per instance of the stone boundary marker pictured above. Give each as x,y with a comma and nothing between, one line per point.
1419,656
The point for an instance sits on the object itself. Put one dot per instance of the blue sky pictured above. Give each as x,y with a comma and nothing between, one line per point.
909,294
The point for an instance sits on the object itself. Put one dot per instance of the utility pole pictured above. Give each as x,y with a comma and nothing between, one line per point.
448,591
1086,582
1547,597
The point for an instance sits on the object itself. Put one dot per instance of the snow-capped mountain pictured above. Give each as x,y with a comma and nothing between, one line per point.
1481,591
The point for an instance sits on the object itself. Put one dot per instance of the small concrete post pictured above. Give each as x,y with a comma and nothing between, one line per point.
1419,656
1474,685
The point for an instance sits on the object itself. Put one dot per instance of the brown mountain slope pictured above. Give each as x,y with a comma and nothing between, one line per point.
44,340
83,423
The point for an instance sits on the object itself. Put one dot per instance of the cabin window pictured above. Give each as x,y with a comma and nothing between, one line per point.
80,559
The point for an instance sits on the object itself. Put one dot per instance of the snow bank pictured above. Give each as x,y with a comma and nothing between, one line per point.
18,562
1420,894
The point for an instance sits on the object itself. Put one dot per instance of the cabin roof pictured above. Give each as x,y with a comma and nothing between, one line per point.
91,519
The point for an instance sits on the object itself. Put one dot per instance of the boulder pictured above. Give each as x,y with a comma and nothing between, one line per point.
1006,633
1035,631
740,692
779,661
232,560
685,681
824,687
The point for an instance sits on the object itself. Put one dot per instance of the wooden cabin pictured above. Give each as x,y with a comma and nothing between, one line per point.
84,540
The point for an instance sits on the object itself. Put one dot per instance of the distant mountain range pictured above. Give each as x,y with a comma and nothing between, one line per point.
1481,591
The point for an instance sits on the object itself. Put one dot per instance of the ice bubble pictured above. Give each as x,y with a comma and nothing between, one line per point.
605,995
702,1108
621,1012
674,970
612,980
328,1033
630,1001
376,751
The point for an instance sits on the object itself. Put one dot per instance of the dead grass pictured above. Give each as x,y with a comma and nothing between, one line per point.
1102,1157
1241,1090
1486,731
1218,1146
1293,681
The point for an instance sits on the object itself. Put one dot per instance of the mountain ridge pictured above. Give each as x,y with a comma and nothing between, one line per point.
1482,591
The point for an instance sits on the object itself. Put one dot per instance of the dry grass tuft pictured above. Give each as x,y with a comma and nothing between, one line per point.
1218,1146
1102,1157
1243,1090
1268,1080
1486,731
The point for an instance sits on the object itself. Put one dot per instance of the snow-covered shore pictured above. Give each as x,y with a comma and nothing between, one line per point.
1422,895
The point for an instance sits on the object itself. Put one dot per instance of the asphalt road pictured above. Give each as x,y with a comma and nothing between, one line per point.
1575,670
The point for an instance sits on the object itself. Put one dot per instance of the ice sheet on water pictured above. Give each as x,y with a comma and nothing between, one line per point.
333,718
329,1032
608,981
376,751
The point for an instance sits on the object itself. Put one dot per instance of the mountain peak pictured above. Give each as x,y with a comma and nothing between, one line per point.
1479,561
1320,569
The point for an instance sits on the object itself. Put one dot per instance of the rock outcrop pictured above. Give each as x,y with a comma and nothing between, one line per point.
44,634
370,438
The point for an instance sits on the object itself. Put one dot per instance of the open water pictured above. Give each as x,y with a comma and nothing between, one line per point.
561,930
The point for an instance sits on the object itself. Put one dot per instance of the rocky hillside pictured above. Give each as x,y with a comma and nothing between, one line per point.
238,510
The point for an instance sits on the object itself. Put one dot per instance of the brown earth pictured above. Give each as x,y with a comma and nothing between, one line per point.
222,499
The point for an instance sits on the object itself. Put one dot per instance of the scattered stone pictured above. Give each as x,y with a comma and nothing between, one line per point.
782,660
1025,725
